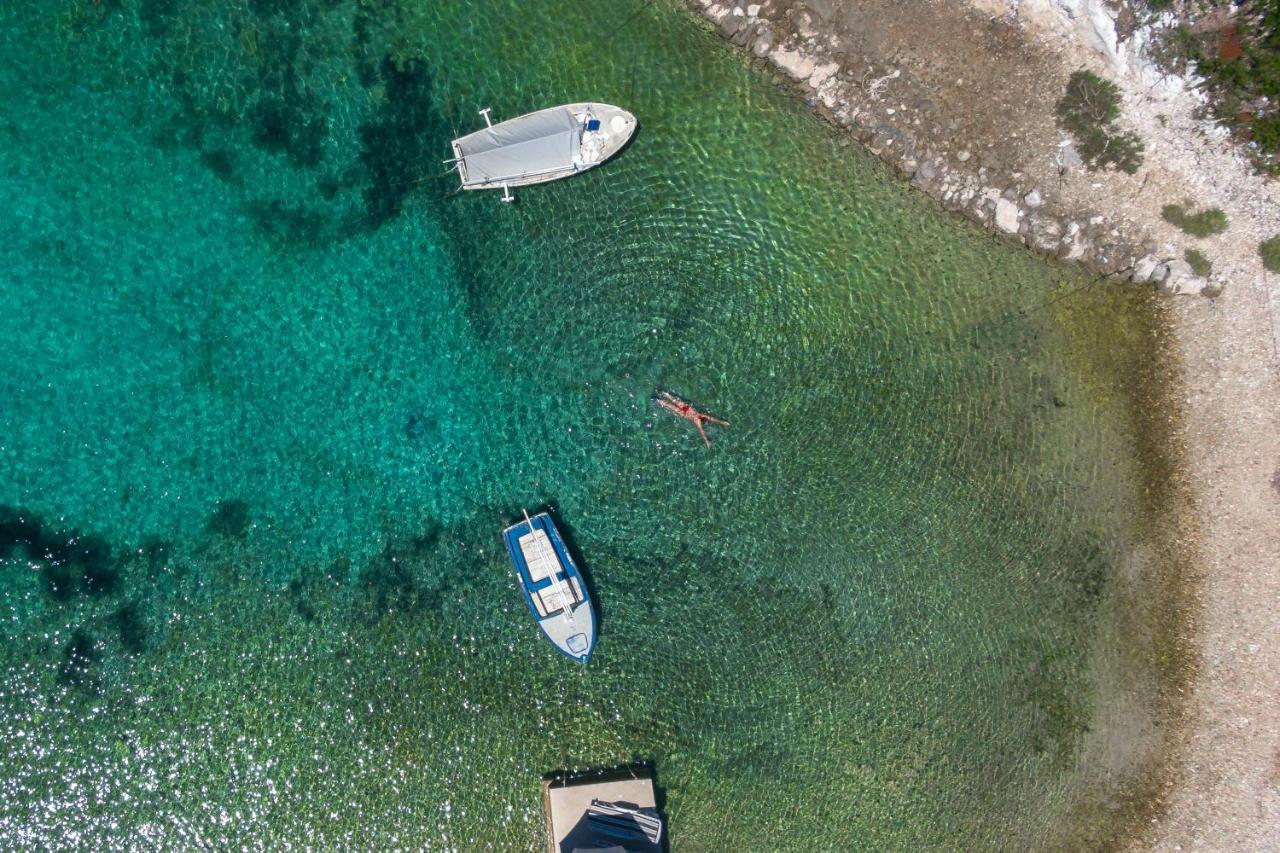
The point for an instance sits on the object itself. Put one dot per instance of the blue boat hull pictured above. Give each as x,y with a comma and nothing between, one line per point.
552,587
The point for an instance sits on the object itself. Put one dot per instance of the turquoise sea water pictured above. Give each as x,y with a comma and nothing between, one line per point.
271,391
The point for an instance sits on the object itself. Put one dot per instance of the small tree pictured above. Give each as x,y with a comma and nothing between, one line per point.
1088,112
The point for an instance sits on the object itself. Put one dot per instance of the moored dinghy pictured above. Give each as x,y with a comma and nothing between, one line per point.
553,588
541,146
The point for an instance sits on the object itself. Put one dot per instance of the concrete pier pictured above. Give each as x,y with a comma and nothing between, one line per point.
565,803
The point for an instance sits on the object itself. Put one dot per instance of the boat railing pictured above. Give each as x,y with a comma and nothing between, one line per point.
509,178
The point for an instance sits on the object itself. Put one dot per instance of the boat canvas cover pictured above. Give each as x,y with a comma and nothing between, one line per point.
535,144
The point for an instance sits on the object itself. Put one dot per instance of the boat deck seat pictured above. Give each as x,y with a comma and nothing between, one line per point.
539,556
548,601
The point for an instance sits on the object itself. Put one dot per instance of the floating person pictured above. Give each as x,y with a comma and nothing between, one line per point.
680,408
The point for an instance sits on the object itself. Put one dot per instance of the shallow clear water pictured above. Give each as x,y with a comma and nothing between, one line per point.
272,391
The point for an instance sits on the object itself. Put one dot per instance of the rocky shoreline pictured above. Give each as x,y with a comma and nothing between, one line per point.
890,110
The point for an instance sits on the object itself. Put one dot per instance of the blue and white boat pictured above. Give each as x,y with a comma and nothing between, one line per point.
553,588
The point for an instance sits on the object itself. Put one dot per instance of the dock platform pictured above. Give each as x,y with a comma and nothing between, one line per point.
565,802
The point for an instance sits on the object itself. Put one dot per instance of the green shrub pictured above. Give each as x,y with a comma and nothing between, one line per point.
1206,223
1087,111
1200,265
1270,251
1101,149
1244,91
1089,102
1266,132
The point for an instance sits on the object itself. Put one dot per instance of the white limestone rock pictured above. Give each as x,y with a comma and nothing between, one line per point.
1008,215
822,74
764,42
1091,22
1076,247
831,94
1181,281
1145,268
1069,159
1043,232
793,62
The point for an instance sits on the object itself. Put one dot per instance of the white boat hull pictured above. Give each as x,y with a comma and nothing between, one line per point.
542,146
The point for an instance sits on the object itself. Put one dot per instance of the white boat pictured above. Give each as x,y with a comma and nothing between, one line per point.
541,146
